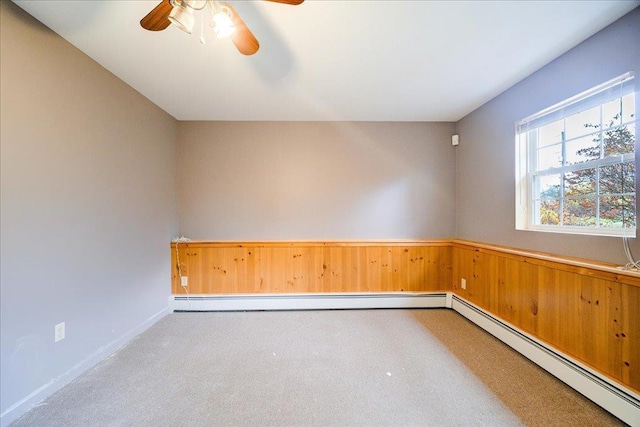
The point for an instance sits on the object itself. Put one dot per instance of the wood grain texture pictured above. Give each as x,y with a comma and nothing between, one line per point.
242,38
569,264
590,314
158,18
319,267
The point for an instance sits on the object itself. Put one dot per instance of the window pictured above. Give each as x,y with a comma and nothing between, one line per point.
575,164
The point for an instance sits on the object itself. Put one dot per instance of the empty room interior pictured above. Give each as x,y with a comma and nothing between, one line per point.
310,212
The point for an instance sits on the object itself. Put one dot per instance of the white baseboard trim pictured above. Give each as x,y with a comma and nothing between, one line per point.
621,401
19,408
249,302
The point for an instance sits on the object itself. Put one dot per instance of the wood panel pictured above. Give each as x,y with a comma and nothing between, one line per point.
590,313
317,267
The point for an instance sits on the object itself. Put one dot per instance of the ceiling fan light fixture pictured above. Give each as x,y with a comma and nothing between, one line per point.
182,17
222,23
225,21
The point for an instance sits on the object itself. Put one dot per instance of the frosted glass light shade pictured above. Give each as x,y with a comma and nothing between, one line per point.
223,25
182,17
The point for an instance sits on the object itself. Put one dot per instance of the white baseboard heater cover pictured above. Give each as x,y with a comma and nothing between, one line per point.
622,402
242,302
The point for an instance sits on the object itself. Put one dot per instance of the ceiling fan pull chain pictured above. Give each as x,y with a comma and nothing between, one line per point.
202,38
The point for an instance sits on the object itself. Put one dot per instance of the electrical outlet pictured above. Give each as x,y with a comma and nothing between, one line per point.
184,281
59,332
463,283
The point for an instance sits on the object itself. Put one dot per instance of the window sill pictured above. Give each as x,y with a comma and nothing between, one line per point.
584,231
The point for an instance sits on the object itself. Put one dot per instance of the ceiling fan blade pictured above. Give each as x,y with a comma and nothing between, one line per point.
243,38
158,18
291,2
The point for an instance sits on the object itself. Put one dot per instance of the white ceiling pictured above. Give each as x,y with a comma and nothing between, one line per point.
333,60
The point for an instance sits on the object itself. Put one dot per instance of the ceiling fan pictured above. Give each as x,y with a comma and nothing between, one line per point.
224,19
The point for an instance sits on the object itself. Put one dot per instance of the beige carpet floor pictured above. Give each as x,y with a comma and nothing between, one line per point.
324,368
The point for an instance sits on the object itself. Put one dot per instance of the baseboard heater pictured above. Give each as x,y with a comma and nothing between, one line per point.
622,402
242,302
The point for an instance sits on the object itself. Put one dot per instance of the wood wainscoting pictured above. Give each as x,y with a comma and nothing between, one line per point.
589,311
313,267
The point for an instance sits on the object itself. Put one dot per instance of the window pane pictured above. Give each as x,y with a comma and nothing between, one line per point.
580,212
550,157
547,212
619,140
618,211
617,179
612,113
547,186
628,107
583,123
583,149
550,134
580,182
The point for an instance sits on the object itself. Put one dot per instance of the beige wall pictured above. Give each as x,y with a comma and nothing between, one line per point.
87,209
320,180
